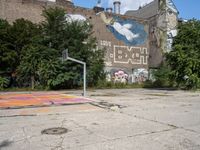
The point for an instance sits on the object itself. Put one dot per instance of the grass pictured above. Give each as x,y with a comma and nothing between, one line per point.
111,85
15,89
100,85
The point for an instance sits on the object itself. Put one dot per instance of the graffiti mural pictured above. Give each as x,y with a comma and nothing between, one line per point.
170,36
117,76
172,23
124,54
167,24
109,50
132,55
139,75
75,17
120,76
126,30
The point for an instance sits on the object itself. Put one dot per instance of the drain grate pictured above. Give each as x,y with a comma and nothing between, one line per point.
55,131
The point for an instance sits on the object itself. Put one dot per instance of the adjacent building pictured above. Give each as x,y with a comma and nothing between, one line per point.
134,42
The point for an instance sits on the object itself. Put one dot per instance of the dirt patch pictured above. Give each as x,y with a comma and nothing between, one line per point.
158,94
104,95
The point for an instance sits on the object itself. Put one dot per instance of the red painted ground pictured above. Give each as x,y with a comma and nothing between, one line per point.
17,100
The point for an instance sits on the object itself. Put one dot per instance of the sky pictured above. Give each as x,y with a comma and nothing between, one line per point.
188,9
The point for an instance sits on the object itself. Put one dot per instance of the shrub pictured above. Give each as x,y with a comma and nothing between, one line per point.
3,82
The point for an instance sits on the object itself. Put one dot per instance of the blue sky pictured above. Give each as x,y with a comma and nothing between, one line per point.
188,9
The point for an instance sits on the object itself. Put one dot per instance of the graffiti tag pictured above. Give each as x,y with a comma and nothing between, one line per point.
133,55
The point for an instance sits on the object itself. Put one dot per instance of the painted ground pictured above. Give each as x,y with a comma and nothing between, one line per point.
149,120
37,99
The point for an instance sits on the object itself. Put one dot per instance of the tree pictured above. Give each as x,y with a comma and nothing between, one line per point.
3,82
20,34
76,36
32,57
35,51
7,53
54,27
161,76
13,39
184,59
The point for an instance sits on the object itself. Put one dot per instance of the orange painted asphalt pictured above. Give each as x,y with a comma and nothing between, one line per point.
36,99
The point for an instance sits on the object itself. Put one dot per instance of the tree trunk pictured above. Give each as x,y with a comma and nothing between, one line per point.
32,82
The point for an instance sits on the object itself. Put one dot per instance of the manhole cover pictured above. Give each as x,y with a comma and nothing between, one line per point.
55,131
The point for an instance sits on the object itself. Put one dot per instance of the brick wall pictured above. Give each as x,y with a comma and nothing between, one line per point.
119,55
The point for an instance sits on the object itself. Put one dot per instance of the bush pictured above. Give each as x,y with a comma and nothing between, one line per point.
184,59
162,77
105,84
3,82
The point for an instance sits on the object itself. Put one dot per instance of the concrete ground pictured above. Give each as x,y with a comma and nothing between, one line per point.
133,119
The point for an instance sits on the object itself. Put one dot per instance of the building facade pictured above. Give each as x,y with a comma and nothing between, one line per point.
133,42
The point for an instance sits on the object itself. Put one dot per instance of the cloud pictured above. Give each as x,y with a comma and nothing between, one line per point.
129,4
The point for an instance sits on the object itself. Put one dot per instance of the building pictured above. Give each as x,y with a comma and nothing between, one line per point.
134,42
163,19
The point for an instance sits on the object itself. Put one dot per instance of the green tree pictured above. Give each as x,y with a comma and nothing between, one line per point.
54,27
13,39
184,59
7,54
35,51
3,82
32,57
161,76
76,36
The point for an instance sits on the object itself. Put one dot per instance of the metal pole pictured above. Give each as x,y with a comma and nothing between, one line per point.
84,73
84,78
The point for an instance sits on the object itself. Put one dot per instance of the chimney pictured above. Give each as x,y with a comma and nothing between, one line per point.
98,3
117,4
98,7
109,10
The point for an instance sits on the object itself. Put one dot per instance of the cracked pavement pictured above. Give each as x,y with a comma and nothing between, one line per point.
120,119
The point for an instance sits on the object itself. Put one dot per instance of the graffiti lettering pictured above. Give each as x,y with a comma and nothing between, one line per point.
140,75
105,43
108,63
133,55
117,76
